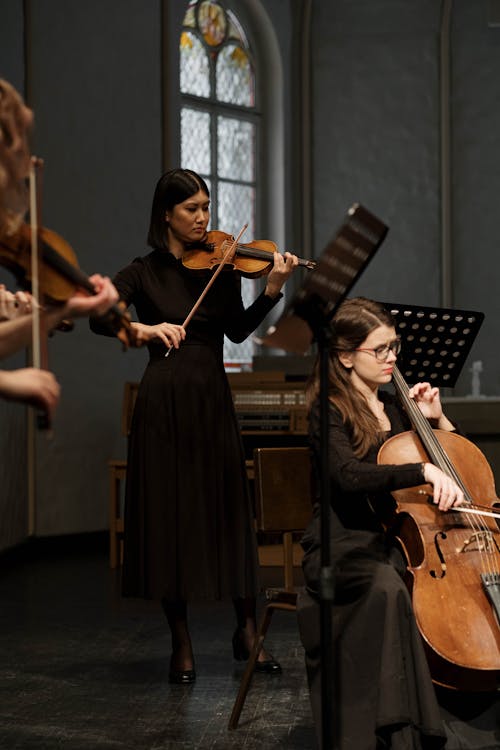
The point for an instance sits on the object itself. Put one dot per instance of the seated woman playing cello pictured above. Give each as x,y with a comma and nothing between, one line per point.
383,694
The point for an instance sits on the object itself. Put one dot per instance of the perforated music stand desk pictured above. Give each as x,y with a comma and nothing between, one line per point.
435,342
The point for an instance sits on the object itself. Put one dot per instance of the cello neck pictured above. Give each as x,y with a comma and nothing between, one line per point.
435,451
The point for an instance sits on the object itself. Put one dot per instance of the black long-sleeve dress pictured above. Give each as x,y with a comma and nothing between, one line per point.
383,694
188,516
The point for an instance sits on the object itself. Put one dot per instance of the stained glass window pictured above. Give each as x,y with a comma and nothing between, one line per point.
219,123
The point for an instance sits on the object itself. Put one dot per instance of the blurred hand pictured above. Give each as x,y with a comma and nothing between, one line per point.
31,386
14,304
82,304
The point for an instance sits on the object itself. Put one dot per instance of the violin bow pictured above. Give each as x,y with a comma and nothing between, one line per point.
196,305
39,334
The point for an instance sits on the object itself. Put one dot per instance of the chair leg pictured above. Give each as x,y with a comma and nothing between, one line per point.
248,673
113,511
288,559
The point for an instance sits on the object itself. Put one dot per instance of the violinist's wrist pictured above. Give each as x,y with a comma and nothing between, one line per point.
272,291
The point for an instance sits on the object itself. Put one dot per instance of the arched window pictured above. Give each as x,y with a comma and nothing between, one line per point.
220,125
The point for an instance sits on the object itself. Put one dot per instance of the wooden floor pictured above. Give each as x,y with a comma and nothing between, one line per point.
82,669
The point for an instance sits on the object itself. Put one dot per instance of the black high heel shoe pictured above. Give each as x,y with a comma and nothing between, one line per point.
181,676
241,653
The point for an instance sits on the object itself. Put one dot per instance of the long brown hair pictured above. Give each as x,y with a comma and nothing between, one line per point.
354,320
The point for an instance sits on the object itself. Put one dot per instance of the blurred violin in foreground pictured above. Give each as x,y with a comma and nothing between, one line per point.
59,274
252,260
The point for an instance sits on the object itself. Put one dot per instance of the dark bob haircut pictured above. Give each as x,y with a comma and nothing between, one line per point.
175,186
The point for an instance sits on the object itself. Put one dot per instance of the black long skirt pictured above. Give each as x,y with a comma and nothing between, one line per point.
383,694
188,517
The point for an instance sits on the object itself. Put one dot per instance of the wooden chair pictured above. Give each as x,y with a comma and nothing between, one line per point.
282,487
117,468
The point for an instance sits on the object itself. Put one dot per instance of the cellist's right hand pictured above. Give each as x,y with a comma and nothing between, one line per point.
170,333
446,492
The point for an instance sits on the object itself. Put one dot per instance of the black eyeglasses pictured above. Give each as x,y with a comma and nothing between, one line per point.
381,353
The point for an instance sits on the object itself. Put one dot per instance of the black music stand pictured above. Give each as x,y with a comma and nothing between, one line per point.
436,341
307,319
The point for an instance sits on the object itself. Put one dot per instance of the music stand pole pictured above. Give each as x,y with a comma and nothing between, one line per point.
308,317
326,582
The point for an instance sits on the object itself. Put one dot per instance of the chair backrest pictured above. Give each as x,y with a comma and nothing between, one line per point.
129,395
282,488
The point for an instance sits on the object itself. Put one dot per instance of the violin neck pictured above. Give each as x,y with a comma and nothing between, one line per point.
252,252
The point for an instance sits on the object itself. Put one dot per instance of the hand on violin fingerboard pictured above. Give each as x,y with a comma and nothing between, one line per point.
82,304
283,267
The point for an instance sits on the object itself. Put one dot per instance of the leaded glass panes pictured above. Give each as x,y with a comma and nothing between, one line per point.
236,207
235,31
234,76
189,18
219,129
195,140
194,66
235,149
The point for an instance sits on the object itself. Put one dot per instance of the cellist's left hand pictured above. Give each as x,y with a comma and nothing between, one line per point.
429,403
283,267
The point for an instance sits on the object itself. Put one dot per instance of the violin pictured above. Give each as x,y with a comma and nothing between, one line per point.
59,273
453,556
252,260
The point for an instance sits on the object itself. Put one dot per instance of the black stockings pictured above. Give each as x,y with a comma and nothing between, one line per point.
182,651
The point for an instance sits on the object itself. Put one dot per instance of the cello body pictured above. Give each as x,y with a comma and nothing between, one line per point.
448,555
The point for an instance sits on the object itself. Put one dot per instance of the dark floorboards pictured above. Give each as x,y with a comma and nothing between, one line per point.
82,669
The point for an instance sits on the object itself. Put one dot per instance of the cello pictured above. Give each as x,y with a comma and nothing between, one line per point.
453,557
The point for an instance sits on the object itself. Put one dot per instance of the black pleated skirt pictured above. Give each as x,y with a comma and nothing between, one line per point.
188,516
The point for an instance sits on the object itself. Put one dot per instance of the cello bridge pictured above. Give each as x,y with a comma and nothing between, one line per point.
481,541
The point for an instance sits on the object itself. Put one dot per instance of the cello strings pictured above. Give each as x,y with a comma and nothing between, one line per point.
441,459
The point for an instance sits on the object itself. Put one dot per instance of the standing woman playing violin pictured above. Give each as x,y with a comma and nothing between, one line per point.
188,516
384,696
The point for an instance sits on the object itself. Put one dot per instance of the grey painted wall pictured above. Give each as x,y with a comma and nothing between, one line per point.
97,85
376,141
